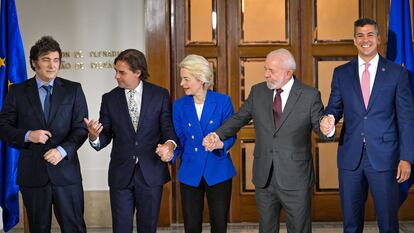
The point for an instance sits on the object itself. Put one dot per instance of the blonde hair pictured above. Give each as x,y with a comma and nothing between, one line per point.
200,68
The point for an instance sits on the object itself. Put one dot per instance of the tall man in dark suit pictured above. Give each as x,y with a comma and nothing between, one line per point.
376,147
43,116
136,115
284,112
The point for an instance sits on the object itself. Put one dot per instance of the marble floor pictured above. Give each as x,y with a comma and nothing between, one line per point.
318,227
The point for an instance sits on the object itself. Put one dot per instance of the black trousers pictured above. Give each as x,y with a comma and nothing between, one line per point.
218,199
67,202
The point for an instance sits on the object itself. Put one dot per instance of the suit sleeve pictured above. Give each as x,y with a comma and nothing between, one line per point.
316,114
228,111
237,120
179,130
79,132
335,104
105,136
404,108
8,121
167,129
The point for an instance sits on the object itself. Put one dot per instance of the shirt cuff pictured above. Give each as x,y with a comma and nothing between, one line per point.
172,141
331,133
26,136
95,144
62,152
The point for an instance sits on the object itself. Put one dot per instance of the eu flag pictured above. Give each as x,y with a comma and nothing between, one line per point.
400,50
12,70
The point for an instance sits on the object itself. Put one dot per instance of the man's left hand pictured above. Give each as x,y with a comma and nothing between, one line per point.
53,156
403,171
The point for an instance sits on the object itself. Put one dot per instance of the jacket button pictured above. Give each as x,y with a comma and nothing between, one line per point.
211,122
365,117
196,149
189,124
136,143
192,137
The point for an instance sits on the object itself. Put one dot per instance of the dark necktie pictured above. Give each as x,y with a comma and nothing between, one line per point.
277,108
46,104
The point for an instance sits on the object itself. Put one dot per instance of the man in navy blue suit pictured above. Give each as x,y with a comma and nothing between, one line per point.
136,116
376,147
43,117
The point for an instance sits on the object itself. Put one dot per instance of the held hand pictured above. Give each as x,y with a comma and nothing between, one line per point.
327,124
53,156
165,151
403,171
94,128
212,141
39,136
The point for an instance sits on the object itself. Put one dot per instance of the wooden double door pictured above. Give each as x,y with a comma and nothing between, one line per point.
235,36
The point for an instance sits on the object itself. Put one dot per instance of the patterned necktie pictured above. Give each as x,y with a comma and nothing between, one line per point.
365,84
133,108
277,108
46,103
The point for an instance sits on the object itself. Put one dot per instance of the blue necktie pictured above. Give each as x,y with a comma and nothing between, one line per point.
46,104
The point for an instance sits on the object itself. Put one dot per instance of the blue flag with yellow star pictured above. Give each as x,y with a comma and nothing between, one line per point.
12,70
400,50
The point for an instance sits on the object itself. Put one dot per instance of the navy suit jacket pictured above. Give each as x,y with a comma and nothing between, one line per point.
196,162
154,127
387,125
22,111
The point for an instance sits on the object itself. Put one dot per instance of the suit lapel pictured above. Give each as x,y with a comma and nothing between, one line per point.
208,110
58,94
147,94
122,104
33,99
294,94
378,81
191,116
355,82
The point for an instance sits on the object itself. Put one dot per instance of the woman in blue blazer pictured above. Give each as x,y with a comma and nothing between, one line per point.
201,172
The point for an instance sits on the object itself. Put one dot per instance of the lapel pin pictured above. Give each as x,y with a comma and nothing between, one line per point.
382,69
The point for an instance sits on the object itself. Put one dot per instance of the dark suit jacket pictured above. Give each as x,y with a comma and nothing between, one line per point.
288,147
22,111
154,126
388,123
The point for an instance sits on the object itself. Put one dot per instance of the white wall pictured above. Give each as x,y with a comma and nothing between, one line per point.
86,25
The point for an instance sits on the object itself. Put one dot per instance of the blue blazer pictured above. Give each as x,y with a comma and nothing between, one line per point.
387,124
196,162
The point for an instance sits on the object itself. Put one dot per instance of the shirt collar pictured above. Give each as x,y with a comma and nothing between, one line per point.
288,86
40,83
137,89
373,62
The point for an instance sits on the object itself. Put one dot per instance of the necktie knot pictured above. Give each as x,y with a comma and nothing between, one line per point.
47,88
277,107
367,66
47,100
131,93
366,84
133,109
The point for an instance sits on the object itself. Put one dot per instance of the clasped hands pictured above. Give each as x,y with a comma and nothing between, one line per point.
212,141
327,124
165,151
41,136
